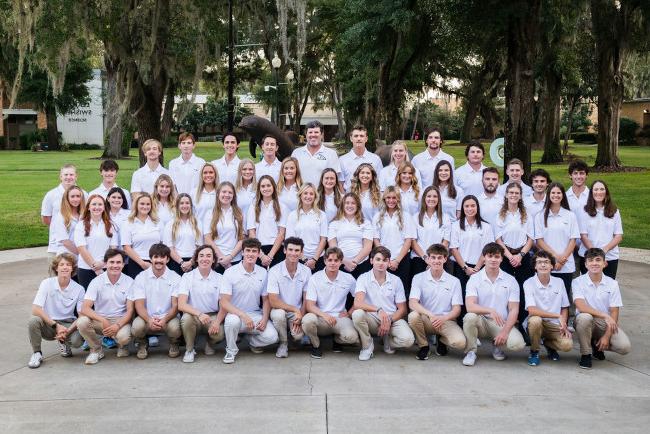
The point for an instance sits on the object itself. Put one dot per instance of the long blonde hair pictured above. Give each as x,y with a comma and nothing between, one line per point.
67,210
153,213
274,199
398,206
520,203
239,185
298,180
178,218
406,149
358,216
414,179
304,188
201,186
373,187
155,197
217,213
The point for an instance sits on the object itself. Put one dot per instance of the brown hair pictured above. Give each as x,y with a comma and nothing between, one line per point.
423,206
105,216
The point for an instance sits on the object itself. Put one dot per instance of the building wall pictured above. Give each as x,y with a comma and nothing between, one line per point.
635,111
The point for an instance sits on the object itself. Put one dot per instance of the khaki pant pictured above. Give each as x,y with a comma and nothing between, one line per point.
367,324
140,329
343,331
38,331
550,331
450,333
475,326
589,328
281,321
191,326
233,327
89,329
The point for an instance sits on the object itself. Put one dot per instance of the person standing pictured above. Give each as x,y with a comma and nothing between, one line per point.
228,165
144,178
314,157
358,155
489,200
427,160
267,221
515,170
108,170
539,179
270,165
469,176
309,223
186,168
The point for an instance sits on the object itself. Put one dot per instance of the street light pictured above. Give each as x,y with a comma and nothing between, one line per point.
276,63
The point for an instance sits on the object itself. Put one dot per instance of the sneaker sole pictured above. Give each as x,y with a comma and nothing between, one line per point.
316,357
425,358
584,367
228,362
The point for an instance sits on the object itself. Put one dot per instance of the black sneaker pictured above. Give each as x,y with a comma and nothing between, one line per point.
441,349
423,353
552,354
316,353
336,347
585,361
598,355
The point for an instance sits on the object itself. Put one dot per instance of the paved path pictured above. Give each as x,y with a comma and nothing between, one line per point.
337,394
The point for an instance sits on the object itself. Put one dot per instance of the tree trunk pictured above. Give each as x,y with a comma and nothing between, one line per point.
488,114
147,119
551,130
471,111
523,34
52,130
573,101
415,121
113,146
168,111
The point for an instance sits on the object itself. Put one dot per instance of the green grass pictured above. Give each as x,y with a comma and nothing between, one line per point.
27,176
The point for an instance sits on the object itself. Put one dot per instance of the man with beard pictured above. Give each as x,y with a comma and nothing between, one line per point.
427,160
489,201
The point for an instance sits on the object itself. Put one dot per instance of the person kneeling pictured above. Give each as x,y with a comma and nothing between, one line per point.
154,293
380,306
243,286
107,308
598,301
491,296
548,310
327,293
53,310
435,301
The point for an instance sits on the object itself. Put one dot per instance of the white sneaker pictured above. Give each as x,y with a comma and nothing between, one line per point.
154,341
65,350
256,350
498,354
229,358
189,356
35,361
282,351
478,342
208,350
94,357
470,358
366,353
387,348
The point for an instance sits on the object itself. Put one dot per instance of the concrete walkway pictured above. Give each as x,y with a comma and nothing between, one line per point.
337,394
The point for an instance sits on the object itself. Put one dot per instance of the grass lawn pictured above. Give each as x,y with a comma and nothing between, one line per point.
26,177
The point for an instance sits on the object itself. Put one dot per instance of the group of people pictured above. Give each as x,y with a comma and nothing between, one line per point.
328,245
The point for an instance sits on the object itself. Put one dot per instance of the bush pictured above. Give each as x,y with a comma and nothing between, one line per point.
81,146
64,148
627,131
3,142
170,142
584,137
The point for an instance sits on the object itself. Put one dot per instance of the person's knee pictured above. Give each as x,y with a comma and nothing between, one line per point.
270,335
358,315
584,320
623,347
470,319
83,323
232,321
139,328
123,336
515,341
174,328
349,337
534,322
278,315
457,341
413,318
565,345
35,322
76,340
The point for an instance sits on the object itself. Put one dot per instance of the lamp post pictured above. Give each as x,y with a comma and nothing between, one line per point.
276,63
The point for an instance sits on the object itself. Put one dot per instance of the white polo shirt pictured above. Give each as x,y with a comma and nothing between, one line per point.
109,300
102,190
600,297
246,288
157,292
410,202
450,205
600,230
227,232
186,240
330,207
273,170
561,228
526,190
534,206
430,231
330,295
470,180
96,242
205,204
290,289
350,236
59,303
351,161
186,174
245,197
551,298
60,233
50,207
312,166
577,203
438,296
266,229
426,164
388,174
310,226
141,235
202,292
386,295
389,233
497,295
512,232
470,242
490,207
289,197
144,178
368,209
227,171
118,221
165,213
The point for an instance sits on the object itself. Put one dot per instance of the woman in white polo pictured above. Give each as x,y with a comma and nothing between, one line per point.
164,198
205,195
365,184
245,185
432,226
329,193
353,235
224,228
140,231
267,221
182,235
309,223
289,183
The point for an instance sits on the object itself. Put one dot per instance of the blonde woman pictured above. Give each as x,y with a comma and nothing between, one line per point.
432,226
164,198
245,185
65,221
224,229
182,235
267,221
409,188
329,193
365,185
140,231
205,195
289,183
399,153
309,223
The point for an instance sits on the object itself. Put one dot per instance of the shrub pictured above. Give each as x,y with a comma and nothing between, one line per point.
627,131
584,137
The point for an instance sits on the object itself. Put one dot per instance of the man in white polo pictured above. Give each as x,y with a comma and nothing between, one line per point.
270,164
327,294
315,157
435,302
380,307
185,169
489,200
144,179
108,308
492,301
287,284
427,160
228,165
515,170
358,155
156,303
469,176
244,285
